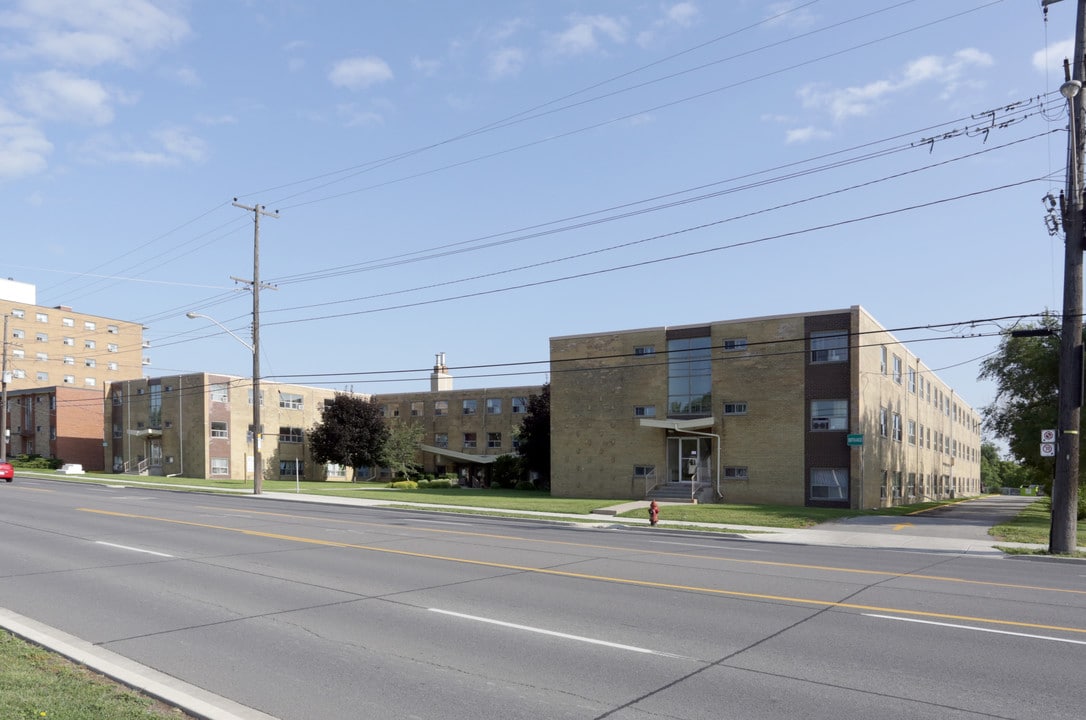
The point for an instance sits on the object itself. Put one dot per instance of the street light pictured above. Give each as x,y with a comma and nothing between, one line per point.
254,348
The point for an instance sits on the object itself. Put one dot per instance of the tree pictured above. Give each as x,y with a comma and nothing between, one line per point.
535,435
402,447
351,433
1026,373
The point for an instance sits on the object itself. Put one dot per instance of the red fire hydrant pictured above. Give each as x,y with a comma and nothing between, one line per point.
654,512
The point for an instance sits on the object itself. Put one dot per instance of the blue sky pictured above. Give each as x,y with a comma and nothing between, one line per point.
473,178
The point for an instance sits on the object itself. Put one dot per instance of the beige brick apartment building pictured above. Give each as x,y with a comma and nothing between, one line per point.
464,431
199,425
760,410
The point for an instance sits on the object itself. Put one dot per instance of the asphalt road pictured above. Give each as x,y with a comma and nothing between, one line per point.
967,520
307,611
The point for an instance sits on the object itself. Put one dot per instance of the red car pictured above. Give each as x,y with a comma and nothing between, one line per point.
6,471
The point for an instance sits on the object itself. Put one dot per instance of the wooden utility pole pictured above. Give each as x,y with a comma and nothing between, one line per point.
1065,487
255,285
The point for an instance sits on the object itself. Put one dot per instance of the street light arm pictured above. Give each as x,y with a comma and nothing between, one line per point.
228,331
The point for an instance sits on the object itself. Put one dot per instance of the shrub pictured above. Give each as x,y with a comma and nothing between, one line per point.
525,485
437,484
35,462
404,485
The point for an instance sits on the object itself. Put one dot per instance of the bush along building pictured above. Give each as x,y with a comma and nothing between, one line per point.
819,409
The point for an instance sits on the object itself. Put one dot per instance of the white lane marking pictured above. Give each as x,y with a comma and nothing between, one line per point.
125,547
979,629
565,636
711,547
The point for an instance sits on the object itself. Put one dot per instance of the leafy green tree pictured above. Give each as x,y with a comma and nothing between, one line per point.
535,435
991,467
506,471
401,448
1026,373
351,433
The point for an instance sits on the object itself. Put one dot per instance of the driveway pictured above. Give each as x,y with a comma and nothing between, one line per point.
968,520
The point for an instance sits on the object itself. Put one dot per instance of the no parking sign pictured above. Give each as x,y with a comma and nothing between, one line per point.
1048,443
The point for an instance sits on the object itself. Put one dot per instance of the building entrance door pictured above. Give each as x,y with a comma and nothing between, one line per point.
155,450
686,456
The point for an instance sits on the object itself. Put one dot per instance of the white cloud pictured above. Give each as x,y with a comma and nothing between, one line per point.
859,100
585,33
806,134
506,62
55,95
23,146
188,77
166,147
1051,59
429,68
90,32
360,72
503,31
682,14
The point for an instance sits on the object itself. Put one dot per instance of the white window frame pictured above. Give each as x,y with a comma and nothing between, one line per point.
736,472
223,431
735,344
738,407
829,415
827,347
220,466
645,411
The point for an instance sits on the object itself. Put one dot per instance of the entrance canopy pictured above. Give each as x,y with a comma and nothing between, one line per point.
679,425
459,456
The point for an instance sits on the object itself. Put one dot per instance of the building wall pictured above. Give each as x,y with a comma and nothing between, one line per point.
55,346
772,448
493,423
57,422
192,445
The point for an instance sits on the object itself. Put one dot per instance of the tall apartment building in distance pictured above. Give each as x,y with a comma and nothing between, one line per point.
819,409
57,363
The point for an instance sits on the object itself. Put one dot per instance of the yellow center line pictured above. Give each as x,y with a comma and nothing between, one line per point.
598,578
668,553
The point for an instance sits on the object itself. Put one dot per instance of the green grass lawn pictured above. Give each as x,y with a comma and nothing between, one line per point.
1032,526
37,684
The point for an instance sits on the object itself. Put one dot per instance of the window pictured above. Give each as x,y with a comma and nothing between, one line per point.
69,379
735,344
112,329
494,440
18,334
645,350
90,382
69,360
416,409
219,393
250,397
219,429
912,380
470,440
89,362
829,346
220,466
912,432
18,353
112,347
89,325
17,313
829,414
67,322
70,342
829,484
441,440
41,356
689,376
41,337
882,359
644,411
520,405
735,408
897,369
41,317
88,344
493,406
156,405
42,376
19,374
290,401
335,470
897,427
470,406
884,421
117,430
736,472
441,407
290,434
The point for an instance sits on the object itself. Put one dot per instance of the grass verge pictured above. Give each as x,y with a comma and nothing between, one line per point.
38,684
1032,525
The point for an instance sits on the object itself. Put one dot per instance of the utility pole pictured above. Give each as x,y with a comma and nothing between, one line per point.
255,285
4,397
1065,487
